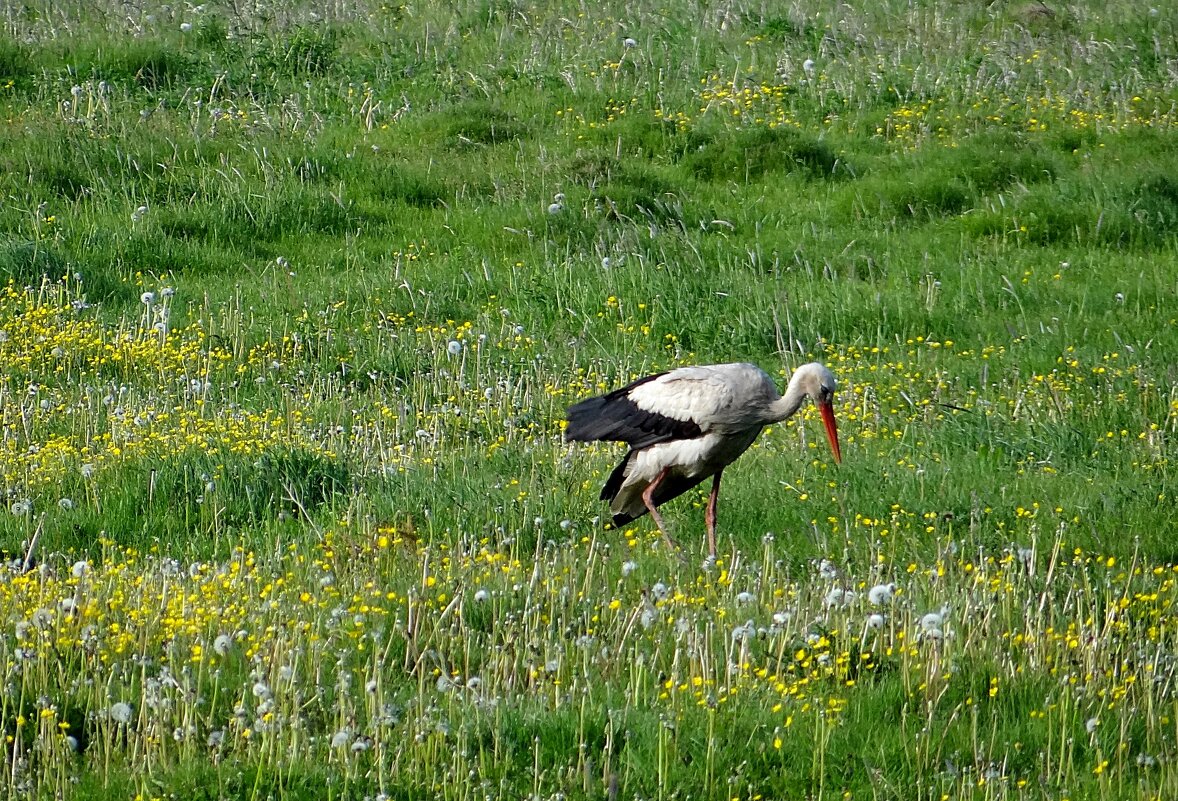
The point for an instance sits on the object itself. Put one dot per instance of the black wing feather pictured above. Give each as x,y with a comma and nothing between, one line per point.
672,487
615,417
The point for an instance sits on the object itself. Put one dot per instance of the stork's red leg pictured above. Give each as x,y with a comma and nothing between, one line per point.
648,500
710,513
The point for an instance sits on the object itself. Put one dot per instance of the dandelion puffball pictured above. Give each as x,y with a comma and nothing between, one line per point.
185,27
875,621
454,347
881,594
555,208
629,42
482,596
120,712
745,597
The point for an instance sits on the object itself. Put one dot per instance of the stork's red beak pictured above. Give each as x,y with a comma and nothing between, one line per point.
832,432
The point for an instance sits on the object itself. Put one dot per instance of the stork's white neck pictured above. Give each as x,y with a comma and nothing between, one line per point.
788,404
808,381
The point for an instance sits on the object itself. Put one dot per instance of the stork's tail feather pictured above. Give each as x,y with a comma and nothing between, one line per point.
613,484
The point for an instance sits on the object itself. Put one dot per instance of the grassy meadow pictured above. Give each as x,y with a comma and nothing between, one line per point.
293,298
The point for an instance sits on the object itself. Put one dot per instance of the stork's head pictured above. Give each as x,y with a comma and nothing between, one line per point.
818,382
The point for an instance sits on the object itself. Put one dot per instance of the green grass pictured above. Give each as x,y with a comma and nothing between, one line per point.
305,508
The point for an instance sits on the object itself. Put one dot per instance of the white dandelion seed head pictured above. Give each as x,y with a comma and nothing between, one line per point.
660,591
1119,297
566,524
744,632
482,596
71,742
745,598
881,594
260,690
828,570
147,298
783,617
185,27
1146,761
629,42
362,744
454,347
1091,724
341,739
932,620
22,507
215,738
538,522
808,66
76,91
836,597
120,712
555,208
370,686
606,262
474,683
222,644
65,504
628,567
875,621
88,470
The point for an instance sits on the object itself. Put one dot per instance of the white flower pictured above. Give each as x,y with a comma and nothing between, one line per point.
555,208
538,522
80,568
261,690
745,597
216,738
88,470
1091,724
934,620
65,503
629,567
1146,761
370,686
454,347
361,744
185,27
781,618
482,596
147,298
137,215
474,683
745,632
566,524
341,739
875,621
1119,297
72,742
120,712
808,66
606,262
628,42
76,91
827,569
660,591
881,594
222,644
837,597
22,507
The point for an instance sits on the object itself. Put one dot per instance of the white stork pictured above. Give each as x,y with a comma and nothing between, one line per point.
687,424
